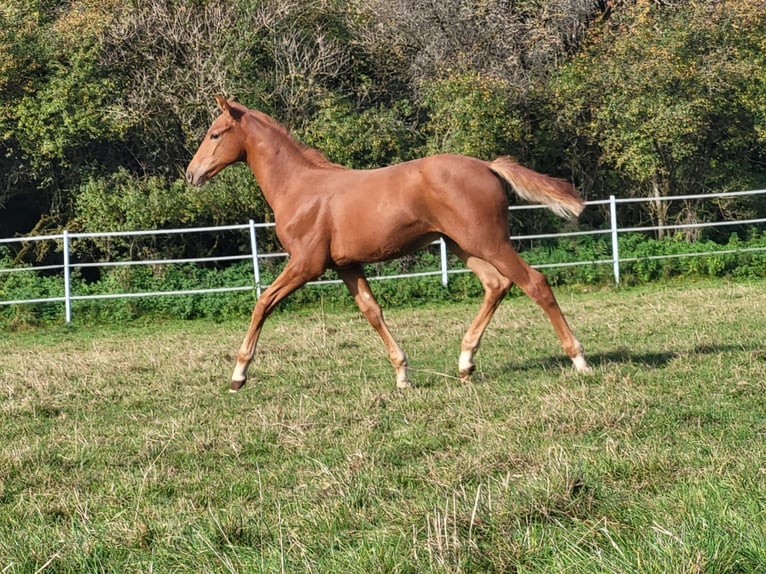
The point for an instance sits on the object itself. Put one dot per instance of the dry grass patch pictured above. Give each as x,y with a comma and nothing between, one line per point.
123,451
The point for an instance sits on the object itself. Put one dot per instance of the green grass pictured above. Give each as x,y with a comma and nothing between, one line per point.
121,450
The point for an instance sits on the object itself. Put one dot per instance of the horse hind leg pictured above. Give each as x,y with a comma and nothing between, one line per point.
496,285
360,290
536,286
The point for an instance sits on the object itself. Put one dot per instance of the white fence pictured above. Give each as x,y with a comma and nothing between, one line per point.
67,297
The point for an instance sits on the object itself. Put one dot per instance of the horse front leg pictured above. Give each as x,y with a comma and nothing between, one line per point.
292,277
359,288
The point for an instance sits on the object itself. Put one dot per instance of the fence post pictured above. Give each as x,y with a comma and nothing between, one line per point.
443,257
256,268
67,280
615,247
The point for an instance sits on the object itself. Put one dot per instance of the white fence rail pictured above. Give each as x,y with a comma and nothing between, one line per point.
256,257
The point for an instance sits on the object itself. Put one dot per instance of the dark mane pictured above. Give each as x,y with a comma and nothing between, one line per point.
313,155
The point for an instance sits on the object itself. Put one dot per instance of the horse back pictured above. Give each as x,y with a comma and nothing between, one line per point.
380,214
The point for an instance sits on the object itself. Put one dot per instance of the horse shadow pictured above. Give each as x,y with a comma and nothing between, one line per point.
625,356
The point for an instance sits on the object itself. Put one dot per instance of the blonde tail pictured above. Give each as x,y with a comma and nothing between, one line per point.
556,194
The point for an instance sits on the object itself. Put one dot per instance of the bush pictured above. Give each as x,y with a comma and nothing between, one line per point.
674,257
168,278
26,284
470,113
642,260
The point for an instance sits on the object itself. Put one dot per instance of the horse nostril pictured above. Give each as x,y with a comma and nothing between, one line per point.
189,177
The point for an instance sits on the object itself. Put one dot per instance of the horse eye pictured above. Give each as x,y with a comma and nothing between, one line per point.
215,136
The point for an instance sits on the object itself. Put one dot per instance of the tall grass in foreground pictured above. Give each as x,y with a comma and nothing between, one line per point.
121,451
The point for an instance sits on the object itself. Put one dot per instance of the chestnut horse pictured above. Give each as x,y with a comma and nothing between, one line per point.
328,216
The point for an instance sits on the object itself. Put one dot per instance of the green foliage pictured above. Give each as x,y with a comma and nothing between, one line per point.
643,260
470,114
23,283
674,257
146,279
66,119
664,96
55,121
369,138
122,202
104,101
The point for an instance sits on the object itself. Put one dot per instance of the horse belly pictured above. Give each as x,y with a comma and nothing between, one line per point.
382,214
368,241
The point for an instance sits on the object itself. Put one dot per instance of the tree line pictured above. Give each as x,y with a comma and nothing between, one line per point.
104,101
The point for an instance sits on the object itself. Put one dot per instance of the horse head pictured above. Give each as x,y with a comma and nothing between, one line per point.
223,144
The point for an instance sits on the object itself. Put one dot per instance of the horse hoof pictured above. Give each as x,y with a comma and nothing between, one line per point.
403,385
236,385
465,374
581,365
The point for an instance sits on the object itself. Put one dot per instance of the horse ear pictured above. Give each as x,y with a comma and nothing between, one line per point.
226,107
222,103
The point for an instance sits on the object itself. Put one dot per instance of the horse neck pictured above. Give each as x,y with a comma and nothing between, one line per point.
274,157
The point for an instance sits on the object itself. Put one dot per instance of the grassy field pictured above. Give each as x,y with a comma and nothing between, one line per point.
121,450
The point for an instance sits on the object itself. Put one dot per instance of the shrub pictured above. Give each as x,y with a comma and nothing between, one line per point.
642,260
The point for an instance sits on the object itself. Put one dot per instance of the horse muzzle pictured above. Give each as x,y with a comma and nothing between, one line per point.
196,178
